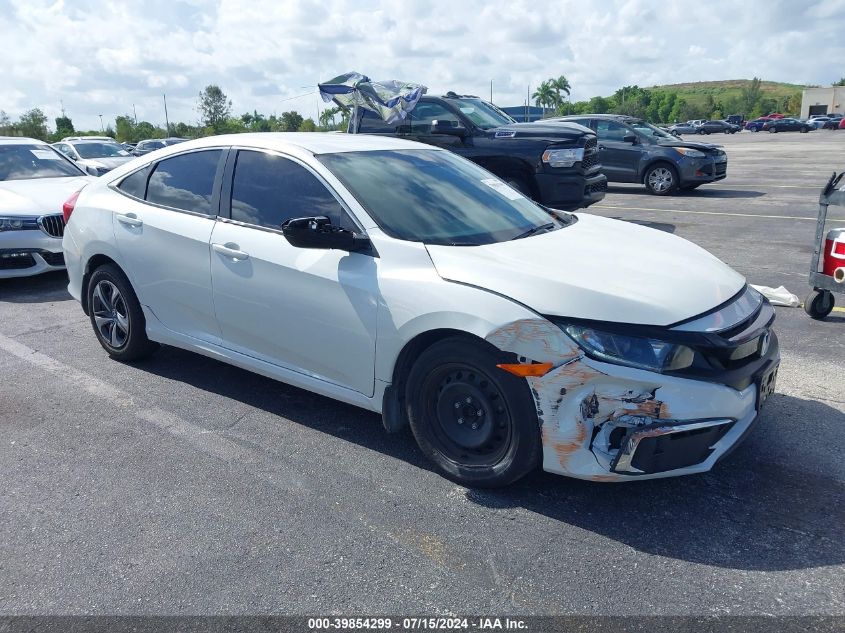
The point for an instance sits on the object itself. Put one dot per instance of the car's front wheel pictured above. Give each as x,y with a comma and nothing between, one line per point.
661,179
476,422
773,130
116,315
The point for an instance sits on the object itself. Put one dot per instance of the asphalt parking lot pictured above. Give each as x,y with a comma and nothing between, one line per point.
181,485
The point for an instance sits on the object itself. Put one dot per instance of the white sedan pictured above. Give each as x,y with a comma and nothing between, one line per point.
35,180
404,279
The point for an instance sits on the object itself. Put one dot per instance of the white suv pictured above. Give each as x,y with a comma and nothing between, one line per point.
404,279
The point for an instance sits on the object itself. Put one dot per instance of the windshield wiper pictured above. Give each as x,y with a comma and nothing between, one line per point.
535,230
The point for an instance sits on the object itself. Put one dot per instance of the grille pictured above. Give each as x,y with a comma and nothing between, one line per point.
721,169
591,154
52,225
17,262
596,187
54,259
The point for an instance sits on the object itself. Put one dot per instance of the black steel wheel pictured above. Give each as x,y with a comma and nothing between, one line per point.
476,422
819,303
116,315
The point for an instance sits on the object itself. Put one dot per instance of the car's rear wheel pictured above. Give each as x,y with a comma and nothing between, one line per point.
805,129
773,130
476,422
661,179
116,315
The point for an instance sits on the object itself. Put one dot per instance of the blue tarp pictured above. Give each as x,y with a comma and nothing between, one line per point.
391,99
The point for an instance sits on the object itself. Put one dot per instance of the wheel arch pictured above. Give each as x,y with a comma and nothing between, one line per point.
93,263
656,161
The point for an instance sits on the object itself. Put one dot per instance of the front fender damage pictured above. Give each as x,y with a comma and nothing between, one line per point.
585,414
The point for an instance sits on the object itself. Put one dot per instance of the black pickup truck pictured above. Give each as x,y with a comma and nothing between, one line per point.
556,165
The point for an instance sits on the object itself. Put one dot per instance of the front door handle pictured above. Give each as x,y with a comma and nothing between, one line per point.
231,251
129,219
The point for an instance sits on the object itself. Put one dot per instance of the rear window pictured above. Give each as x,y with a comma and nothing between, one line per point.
185,182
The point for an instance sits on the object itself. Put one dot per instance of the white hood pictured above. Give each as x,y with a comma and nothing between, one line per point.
38,196
597,268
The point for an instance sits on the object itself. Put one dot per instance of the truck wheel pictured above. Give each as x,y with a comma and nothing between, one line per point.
476,422
819,303
661,179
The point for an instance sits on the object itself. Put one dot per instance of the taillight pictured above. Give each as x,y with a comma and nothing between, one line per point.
67,207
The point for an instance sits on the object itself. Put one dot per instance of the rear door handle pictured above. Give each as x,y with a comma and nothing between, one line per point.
231,251
129,219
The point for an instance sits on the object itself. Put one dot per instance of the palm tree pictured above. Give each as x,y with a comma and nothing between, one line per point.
544,96
560,85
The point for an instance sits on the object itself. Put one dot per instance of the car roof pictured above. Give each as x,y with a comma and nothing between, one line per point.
311,142
90,140
20,140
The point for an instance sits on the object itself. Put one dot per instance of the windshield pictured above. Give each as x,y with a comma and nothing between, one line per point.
105,149
436,197
23,162
484,115
649,130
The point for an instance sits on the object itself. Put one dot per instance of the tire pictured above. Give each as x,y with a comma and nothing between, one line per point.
449,384
819,303
773,130
661,179
804,130
755,129
116,315
700,132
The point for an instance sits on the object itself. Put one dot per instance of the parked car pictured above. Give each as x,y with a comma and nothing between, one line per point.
97,157
35,180
756,125
842,124
152,144
711,127
404,279
786,125
631,150
87,138
817,122
556,165
683,128
736,119
833,122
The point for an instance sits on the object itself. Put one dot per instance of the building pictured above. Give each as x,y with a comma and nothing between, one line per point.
823,101
526,114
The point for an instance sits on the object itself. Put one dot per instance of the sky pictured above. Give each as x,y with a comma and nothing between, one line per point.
104,58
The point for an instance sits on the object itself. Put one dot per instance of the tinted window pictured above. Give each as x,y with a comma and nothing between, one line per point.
372,123
91,149
22,162
610,130
269,189
424,113
135,184
185,181
436,197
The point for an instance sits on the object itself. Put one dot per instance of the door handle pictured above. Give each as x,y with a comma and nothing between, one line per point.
230,250
602,147
129,219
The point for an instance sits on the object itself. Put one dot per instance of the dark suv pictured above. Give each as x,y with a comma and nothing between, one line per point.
632,150
556,165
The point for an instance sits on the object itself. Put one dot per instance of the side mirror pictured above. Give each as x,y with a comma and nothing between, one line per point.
318,232
92,170
630,138
448,127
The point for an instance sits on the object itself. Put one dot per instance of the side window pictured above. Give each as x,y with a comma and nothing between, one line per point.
269,189
185,181
371,123
610,131
135,184
426,112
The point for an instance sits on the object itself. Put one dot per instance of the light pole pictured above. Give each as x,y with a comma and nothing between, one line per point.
102,129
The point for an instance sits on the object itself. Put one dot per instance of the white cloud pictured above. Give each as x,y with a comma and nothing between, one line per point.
102,57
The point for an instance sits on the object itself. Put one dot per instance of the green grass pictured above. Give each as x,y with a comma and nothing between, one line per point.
696,92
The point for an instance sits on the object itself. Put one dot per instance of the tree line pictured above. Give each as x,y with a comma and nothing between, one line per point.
215,110
665,106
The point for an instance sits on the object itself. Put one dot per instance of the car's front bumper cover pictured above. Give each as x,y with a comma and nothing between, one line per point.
607,422
30,252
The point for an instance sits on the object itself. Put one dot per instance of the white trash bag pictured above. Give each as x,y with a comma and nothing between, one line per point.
779,296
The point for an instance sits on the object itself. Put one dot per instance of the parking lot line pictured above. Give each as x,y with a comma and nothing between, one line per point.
209,443
735,215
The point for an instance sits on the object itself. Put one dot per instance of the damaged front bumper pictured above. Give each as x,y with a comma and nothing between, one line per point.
606,422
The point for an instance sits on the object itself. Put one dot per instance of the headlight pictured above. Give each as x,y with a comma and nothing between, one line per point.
19,223
563,157
634,351
691,153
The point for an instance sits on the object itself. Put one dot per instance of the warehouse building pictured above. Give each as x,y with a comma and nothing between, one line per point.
823,101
